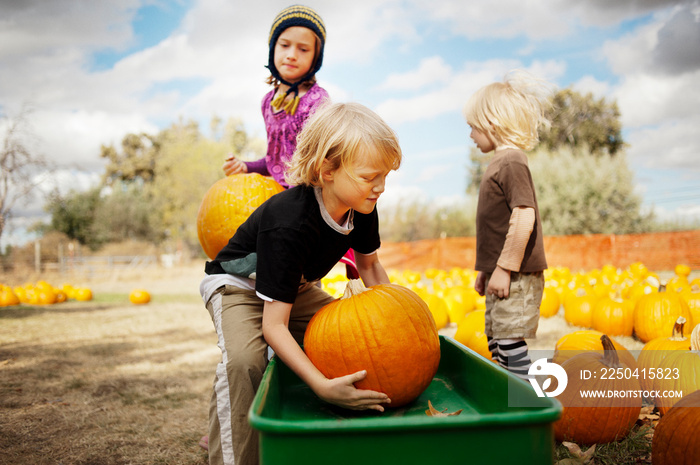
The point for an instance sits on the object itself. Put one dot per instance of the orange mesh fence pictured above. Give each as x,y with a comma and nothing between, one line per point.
658,251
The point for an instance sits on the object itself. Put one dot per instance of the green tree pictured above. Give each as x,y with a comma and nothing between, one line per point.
74,215
127,213
582,121
136,161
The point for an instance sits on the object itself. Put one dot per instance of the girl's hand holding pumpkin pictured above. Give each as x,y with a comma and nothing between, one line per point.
342,392
233,165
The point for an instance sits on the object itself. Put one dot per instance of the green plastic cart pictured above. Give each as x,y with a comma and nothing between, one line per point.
295,427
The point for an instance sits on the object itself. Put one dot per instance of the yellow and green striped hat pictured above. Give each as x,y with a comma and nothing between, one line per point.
296,15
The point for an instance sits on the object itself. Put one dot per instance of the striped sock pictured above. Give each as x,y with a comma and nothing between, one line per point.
514,357
493,348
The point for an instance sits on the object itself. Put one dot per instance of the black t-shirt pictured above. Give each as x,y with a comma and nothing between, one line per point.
286,242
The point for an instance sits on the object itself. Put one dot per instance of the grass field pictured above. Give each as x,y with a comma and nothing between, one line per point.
107,382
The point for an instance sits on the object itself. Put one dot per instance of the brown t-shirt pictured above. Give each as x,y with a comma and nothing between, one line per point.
507,184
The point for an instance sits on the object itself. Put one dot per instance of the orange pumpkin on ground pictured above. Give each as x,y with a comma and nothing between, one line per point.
227,204
438,308
387,330
578,309
655,313
587,340
656,350
675,442
470,332
590,420
83,294
550,303
691,295
686,364
460,301
613,316
139,296
8,297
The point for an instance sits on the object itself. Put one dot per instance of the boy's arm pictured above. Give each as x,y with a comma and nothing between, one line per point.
338,391
522,222
371,270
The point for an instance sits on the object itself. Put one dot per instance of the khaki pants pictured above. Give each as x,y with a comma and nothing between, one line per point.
237,317
519,314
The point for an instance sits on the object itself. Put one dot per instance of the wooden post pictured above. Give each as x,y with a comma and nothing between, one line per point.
37,257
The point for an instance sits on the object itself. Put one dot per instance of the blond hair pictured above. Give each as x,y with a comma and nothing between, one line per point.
335,137
511,111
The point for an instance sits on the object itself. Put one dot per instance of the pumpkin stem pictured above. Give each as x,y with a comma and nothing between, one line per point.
677,334
354,287
610,357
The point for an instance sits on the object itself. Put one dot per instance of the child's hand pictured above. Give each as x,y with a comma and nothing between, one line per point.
234,166
479,283
499,284
342,392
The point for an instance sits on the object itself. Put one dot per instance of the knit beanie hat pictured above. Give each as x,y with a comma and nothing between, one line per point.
296,15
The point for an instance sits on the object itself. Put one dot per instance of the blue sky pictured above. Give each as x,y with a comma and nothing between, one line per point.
95,71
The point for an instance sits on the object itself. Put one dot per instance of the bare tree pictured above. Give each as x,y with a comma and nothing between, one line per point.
19,163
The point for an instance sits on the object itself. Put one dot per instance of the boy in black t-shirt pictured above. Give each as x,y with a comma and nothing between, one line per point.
260,289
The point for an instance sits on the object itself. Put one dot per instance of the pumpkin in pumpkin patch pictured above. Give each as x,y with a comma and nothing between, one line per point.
471,333
655,313
139,297
227,204
691,295
656,350
614,316
550,303
589,420
674,441
578,309
438,308
387,330
684,363
587,340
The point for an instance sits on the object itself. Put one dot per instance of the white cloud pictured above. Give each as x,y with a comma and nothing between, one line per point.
673,144
430,70
590,84
456,91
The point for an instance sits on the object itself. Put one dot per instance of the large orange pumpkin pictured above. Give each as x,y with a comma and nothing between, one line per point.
578,309
655,313
591,420
675,441
657,349
387,330
227,204
613,316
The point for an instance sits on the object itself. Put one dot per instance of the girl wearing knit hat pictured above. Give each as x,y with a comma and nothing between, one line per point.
296,42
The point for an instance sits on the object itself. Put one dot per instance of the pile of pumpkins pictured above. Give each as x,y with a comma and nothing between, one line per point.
42,293
599,305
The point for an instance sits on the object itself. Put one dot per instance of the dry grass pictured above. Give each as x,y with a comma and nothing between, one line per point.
106,382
